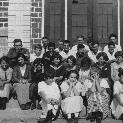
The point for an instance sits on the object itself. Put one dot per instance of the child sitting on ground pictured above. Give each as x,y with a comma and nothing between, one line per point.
50,94
72,90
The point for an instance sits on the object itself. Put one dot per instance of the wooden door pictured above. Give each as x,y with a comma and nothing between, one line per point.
54,19
104,19
78,19
92,18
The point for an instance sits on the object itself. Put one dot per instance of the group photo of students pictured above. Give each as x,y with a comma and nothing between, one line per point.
68,80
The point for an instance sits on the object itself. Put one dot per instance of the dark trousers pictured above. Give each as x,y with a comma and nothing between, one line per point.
33,92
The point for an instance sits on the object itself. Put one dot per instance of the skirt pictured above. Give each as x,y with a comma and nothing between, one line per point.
5,91
99,102
72,104
22,91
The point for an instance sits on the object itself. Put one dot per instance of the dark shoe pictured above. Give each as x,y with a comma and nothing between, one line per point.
4,101
23,106
76,120
98,120
39,107
28,105
49,117
41,120
33,106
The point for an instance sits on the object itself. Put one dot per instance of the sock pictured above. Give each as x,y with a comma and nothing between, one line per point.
76,114
69,116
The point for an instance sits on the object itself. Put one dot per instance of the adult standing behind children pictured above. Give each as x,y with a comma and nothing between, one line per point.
113,37
37,53
80,40
13,52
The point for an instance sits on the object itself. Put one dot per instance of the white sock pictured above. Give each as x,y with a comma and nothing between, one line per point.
76,114
69,115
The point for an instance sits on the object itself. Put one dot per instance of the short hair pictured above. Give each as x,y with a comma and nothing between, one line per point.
76,72
49,75
51,44
57,55
4,58
94,42
17,40
86,61
45,37
21,55
66,42
120,70
112,35
72,58
102,54
80,36
38,46
80,46
95,69
111,43
118,53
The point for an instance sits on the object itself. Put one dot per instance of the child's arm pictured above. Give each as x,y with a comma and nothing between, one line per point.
68,92
42,94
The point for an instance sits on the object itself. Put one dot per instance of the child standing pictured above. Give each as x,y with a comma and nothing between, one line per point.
50,94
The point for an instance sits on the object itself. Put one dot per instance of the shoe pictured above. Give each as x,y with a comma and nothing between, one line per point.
33,106
76,120
23,106
39,107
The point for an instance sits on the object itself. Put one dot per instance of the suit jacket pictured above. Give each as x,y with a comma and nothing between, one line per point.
17,76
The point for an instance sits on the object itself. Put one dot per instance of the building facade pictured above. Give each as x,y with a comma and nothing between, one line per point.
30,20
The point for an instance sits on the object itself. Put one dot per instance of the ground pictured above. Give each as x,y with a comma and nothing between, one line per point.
13,114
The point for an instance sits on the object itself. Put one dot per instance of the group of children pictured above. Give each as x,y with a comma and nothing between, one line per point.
66,80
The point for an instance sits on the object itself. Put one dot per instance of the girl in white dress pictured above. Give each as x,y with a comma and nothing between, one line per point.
72,89
117,103
50,94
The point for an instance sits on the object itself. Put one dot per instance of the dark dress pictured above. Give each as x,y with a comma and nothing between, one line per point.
56,72
37,76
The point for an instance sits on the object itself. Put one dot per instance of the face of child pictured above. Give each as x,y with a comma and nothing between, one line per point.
56,61
101,60
39,67
21,61
49,81
38,51
70,62
111,48
73,77
51,49
4,65
119,59
94,74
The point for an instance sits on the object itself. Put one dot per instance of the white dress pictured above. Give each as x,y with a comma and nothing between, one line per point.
117,109
50,91
72,104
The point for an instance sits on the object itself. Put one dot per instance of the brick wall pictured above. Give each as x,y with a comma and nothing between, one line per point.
3,26
4,13
36,18
19,25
